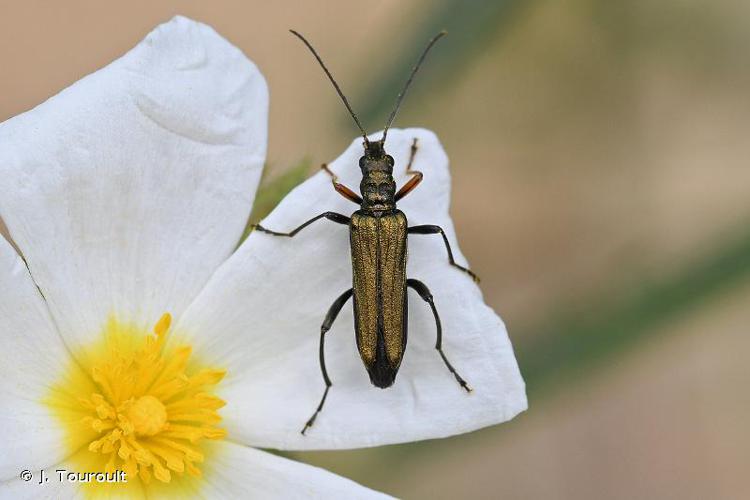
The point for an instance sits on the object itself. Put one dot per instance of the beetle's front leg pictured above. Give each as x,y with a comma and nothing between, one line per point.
341,189
432,229
424,292
332,216
416,178
327,323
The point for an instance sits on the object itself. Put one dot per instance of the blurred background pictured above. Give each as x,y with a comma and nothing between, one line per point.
601,189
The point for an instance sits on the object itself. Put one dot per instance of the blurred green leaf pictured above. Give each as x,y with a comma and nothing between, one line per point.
471,27
272,191
578,339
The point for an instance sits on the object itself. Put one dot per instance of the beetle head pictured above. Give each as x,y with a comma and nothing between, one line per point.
375,158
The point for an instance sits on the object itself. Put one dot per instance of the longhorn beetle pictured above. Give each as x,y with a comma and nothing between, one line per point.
377,234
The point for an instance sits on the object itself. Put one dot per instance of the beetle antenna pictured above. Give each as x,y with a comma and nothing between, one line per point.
408,82
335,85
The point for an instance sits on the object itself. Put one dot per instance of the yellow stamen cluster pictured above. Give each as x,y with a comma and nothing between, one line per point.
149,413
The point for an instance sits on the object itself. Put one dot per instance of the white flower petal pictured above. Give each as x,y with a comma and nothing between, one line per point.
53,489
260,315
236,471
129,188
32,355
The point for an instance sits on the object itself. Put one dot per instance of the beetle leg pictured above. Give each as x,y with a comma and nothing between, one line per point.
333,216
412,154
341,189
432,229
327,322
416,175
424,292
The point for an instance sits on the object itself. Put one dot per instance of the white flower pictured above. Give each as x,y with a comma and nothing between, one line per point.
127,194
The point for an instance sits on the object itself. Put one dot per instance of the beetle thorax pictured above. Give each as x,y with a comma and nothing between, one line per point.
377,187
378,190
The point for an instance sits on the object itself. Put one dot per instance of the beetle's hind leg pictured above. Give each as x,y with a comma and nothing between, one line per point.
432,229
416,178
424,292
341,189
327,322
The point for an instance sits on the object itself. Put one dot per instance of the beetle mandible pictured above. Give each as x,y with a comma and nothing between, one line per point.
377,234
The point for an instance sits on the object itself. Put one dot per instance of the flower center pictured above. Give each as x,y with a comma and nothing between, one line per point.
147,410
148,416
